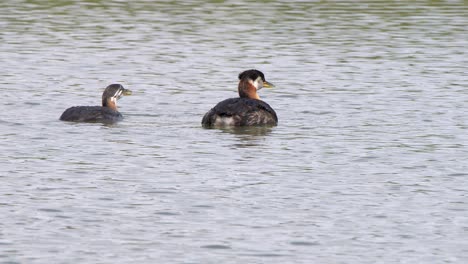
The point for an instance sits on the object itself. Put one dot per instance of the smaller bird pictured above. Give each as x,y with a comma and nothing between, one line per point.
107,113
247,109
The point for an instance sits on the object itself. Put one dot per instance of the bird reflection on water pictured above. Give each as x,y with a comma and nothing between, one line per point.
248,136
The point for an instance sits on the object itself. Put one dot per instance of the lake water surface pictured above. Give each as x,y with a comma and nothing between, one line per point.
367,165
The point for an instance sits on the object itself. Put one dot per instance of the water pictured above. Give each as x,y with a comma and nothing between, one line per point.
367,165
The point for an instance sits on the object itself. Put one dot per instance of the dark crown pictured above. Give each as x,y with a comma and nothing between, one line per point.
251,74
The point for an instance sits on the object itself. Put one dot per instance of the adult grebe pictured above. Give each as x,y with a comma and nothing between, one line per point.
107,113
248,109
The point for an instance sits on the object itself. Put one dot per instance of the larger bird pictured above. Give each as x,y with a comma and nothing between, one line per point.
247,109
107,113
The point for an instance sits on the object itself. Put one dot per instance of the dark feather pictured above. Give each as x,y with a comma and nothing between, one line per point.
243,111
91,114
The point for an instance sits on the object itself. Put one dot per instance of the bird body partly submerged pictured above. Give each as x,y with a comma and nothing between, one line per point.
107,113
91,114
240,112
247,109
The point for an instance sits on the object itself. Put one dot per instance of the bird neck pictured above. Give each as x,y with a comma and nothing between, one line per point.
110,103
247,90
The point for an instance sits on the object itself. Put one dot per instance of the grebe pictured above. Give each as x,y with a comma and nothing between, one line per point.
246,110
107,113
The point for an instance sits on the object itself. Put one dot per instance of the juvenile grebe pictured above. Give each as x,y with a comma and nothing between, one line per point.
246,110
107,113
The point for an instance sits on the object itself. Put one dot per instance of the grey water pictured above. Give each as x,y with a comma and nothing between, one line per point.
367,165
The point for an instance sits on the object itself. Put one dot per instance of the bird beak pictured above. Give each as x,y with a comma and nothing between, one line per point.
268,84
126,92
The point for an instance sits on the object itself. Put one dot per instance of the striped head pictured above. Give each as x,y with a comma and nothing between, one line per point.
113,93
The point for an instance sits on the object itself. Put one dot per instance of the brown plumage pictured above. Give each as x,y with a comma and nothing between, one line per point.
247,109
107,113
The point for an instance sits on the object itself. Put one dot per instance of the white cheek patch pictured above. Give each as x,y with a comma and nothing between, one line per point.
258,83
117,95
